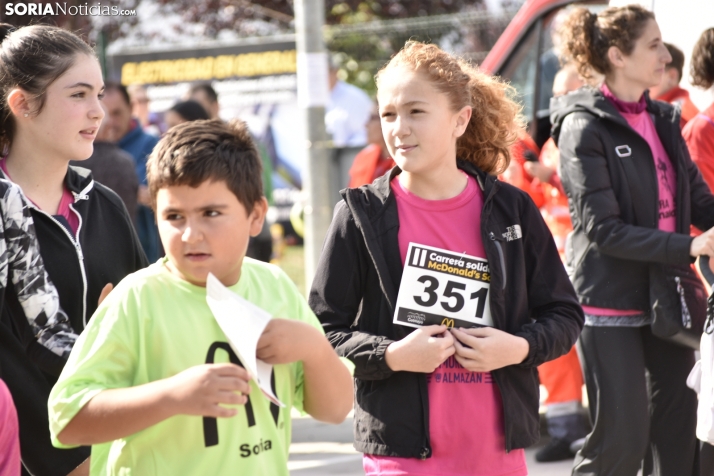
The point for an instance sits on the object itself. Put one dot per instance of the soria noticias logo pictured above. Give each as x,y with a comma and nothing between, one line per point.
58,8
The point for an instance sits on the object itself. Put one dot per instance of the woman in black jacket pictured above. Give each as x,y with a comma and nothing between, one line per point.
440,245
50,111
633,192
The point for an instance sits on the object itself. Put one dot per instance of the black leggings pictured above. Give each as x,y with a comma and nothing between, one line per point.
640,405
706,459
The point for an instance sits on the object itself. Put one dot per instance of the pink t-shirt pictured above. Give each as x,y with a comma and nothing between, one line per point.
466,426
639,119
9,435
64,214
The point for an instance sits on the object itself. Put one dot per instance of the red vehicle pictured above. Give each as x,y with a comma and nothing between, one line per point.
524,55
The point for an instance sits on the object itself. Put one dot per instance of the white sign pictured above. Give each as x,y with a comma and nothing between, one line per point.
442,287
243,323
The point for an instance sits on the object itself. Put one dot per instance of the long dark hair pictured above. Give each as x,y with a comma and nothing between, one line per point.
32,58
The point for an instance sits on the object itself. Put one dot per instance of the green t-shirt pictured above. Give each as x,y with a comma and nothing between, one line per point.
155,325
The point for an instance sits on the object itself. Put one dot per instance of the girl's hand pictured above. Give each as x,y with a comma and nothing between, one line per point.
485,349
421,351
703,244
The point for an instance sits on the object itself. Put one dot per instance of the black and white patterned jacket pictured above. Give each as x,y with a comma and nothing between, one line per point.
20,261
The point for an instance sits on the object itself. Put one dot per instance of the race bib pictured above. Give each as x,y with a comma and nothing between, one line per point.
443,287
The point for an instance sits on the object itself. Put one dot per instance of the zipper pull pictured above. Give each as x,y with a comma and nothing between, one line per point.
79,251
78,196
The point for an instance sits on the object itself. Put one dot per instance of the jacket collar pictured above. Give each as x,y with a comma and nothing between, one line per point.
78,180
381,190
592,100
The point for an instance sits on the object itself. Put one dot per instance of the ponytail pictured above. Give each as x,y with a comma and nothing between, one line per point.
494,125
32,58
495,118
588,37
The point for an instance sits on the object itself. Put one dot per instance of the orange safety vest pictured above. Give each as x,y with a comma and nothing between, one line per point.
365,164
516,174
555,204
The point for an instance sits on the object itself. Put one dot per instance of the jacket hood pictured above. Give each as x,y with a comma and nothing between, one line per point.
593,101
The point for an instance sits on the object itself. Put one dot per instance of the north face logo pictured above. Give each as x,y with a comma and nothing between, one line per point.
513,233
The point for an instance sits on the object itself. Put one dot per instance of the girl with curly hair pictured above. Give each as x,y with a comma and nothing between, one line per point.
442,284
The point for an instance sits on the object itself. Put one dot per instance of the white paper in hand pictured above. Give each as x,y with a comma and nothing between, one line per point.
243,323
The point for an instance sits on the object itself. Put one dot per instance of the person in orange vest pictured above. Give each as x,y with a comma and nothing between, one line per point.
373,161
524,151
561,377
669,90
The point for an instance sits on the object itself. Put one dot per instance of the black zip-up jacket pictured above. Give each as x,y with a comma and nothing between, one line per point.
355,290
609,175
108,250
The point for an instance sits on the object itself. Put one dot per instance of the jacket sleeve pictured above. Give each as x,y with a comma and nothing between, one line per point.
586,178
336,296
557,317
35,292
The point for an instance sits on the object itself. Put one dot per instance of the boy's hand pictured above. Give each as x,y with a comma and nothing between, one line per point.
485,349
421,351
201,390
285,341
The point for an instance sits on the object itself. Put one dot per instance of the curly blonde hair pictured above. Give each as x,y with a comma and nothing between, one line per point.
495,119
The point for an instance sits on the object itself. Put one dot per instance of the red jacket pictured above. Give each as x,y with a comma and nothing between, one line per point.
680,96
524,149
367,166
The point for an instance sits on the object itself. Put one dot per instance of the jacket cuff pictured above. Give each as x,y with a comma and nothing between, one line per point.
533,350
381,360
678,246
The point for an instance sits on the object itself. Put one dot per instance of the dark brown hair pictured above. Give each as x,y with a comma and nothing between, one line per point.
495,117
119,88
677,59
32,58
702,66
587,37
194,152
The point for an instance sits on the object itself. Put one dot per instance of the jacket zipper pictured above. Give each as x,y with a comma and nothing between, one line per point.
75,241
506,432
81,196
500,256
80,257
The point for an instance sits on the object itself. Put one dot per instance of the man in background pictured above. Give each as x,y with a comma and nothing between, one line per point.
139,144
669,90
113,167
206,96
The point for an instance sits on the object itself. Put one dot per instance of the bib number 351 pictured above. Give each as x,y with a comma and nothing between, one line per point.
454,299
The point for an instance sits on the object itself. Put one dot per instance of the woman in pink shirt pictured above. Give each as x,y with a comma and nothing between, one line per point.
633,191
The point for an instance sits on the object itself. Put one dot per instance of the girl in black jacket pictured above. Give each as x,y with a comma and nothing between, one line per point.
633,192
50,89
442,284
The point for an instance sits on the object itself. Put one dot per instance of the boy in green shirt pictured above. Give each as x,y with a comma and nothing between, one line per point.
152,382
